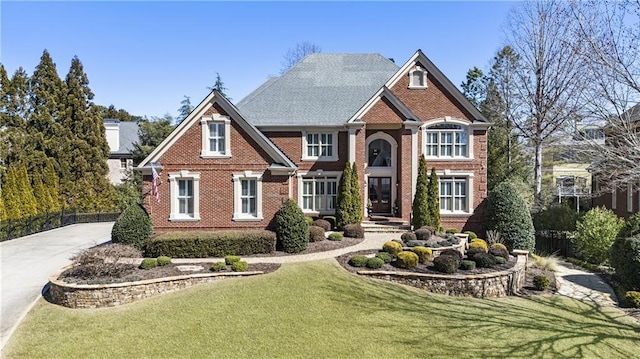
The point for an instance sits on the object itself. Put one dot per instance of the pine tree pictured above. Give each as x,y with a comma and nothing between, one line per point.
10,194
420,206
51,184
3,211
14,102
42,196
433,195
356,198
344,199
219,86
28,200
185,109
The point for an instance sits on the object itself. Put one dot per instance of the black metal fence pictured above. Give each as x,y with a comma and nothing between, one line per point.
559,242
15,228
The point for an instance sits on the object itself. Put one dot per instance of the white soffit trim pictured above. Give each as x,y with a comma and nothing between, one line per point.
395,101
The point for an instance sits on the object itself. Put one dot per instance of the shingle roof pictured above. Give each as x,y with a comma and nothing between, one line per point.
321,90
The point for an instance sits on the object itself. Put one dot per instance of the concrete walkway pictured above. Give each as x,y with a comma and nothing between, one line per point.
576,283
27,262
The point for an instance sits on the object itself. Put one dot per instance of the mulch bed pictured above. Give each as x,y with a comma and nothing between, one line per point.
315,247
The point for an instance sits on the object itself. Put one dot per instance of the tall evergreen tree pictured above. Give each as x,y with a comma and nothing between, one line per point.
420,206
3,211
356,198
219,86
51,184
11,194
433,195
184,110
343,213
14,114
28,200
42,196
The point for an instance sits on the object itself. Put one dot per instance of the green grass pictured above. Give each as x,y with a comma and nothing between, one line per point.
318,310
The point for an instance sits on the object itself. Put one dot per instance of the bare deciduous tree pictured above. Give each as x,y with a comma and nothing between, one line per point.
294,55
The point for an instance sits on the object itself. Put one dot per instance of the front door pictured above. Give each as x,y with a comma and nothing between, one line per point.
380,194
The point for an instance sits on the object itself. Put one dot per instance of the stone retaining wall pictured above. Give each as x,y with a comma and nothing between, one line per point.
498,284
108,295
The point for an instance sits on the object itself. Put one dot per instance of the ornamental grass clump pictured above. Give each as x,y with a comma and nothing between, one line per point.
407,260
424,254
446,264
358,260
596,232
392,247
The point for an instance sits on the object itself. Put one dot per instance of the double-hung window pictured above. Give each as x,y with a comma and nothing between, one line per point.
185,197
319,146
454,194
184,187
447,141
247,203
319,194
215,136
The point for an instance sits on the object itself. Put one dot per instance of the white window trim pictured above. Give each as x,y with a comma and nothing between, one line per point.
629,197
453,121
174,216
318,173
334,147
614,199
204,124
424,78
470,192
238,216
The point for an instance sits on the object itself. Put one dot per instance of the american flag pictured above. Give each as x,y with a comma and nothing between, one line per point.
154,184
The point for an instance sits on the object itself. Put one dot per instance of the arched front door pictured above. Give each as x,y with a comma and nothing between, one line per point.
380,167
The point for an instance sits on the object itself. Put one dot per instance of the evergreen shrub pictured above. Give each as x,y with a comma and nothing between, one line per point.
353,231
163,260
133,227
557,218
148,263
631,226
632,298
229,260
219,266
499,260
499,252
499,245
424,253
472,235
423,234
596,232
322,223
452,252
446,264
374,263
392,248
309,220
407,260
316,234
385,256
292,230
415,243
200,244
484,260
467,265
452,231
335,236
239,266
408,236
625,258
473,251
479,243
358,260
508,213
541,282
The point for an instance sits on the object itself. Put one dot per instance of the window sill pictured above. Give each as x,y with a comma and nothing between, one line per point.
455,214
451,159
214,156
320,159
411,87
184,219
245,218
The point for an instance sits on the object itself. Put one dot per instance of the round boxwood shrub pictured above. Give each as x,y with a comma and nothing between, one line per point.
625,258
596,232
335,236
424,233
452,252
407,260
424,253
473,251
499,245
229,260
322,223
484,260
467,265
499,260
541,282
446,264
358,260
353,231
316,234
385,256
149,263
499,252
374,263
408,237
292,229
219,266
133,227
239,266
163,260
479,243
392,247
508,213
472,235
452,231
632,298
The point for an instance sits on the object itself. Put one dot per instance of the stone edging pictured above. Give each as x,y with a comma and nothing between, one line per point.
497,284
75,295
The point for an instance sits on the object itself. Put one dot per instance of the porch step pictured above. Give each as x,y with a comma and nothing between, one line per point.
385,226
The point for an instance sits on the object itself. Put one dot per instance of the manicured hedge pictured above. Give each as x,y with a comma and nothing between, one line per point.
200,244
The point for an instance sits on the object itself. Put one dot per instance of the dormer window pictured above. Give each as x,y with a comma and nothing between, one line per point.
418,78
215,136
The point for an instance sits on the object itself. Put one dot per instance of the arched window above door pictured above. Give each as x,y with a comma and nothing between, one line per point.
379,153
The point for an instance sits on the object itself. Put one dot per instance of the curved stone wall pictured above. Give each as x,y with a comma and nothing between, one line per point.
498,284
74,295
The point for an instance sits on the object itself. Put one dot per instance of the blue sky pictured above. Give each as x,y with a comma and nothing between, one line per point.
145,56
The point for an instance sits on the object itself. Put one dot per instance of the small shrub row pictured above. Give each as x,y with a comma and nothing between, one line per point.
149,263
199,244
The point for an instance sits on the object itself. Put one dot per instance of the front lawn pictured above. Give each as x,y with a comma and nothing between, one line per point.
318,310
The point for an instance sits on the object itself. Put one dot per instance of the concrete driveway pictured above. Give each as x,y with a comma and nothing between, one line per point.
26,264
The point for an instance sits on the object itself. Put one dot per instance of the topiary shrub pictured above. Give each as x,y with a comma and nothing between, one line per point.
423,234
240,266
374,263
163,260
229,260
625,258
331,220
446,264
632,298
353,231
149,263
358,260
508,213
132,227
424,253
219,266
392,248
316,234
484,260
541,282
499,252
472,235
596,232
407,260
499,245
473,251
499,260
467,265
452,231
385,256
479,243
408,237
292,229
335,236
324,224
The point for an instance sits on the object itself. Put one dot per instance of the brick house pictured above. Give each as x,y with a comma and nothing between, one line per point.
231,166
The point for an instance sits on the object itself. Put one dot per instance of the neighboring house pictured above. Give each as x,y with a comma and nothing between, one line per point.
232,167
121,136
